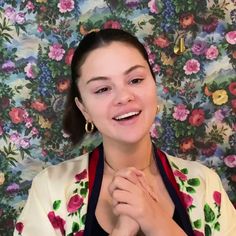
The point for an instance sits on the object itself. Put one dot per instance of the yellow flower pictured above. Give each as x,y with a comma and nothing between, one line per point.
220,97
44,123
2,178
41,1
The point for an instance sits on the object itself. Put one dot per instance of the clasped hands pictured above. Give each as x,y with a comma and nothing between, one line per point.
134,202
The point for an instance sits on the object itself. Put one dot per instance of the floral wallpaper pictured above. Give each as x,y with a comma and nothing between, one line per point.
192,49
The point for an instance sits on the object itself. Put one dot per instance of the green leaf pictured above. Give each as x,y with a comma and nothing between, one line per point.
209,213
208,230
83,191
194,182
184,171
83,219
56,204
75,227
190,190
197,224
217,226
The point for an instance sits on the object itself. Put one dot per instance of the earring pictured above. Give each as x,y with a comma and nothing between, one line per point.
89,127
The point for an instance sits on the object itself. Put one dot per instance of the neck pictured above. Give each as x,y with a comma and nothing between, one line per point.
118,156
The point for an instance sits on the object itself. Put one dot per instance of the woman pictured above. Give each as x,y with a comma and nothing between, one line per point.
126,186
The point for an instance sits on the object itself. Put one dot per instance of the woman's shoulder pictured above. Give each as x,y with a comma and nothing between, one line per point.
63,170
193,167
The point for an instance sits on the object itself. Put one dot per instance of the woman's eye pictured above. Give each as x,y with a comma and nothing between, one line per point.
136,81
102,90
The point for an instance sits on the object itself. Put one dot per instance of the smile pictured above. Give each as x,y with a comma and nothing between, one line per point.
127,115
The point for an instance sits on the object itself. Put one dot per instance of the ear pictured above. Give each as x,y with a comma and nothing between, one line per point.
83,109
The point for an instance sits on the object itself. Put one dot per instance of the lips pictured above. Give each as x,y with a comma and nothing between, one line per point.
127,115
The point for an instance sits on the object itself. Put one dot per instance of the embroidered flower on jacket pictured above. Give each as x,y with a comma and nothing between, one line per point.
81,175
74,203
57,222
217,198
19,227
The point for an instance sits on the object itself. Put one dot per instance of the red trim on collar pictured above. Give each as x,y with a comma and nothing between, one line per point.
93,161
170,175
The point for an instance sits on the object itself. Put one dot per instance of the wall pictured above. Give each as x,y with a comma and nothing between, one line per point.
192,48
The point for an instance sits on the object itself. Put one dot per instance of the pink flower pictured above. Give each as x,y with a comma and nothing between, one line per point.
156,68
192,66
197,117
181,175
152,6
15,138
231,37
187,199
24,143
20,18
74,203
81,175
69,56
112,24
198,233
31,70
57,222
230,161
10,13
212,52
34,131
40,28
19,227
17,115
180,112
217,197
56,52
66,5
80,233
30,5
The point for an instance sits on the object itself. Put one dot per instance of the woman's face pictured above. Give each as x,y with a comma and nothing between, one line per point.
118,93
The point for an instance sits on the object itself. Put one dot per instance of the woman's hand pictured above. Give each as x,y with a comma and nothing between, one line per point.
133,197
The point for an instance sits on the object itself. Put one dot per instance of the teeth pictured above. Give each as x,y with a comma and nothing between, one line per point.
126,115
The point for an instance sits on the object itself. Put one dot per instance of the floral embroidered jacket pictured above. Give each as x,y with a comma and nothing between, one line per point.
60,197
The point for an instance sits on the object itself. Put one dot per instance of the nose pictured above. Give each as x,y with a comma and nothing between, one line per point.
123,96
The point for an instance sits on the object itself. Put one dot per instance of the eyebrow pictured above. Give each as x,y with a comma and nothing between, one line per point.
106,78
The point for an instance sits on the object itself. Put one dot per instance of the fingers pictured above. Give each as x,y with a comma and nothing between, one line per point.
125,179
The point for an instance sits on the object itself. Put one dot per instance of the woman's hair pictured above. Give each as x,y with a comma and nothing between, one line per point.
73,120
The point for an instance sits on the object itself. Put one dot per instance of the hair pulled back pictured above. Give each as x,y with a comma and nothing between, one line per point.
73,120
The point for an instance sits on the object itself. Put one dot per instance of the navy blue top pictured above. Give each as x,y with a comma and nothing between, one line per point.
92,226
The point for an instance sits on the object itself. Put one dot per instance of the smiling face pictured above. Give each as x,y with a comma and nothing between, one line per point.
118,93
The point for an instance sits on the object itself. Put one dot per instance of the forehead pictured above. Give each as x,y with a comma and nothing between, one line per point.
111,59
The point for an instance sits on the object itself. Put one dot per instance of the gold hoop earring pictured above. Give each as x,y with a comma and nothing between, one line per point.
89,127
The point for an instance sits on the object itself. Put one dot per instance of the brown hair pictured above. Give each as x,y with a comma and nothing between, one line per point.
73,120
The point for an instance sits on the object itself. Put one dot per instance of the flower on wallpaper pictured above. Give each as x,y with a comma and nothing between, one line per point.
231,37
220,97
230,161
212,52
180,112
31,70
153,6
66,5
192,66
56,52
